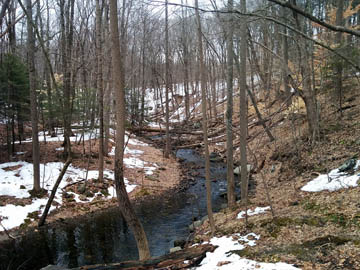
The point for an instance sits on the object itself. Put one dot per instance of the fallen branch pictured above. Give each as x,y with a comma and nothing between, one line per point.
53,192
183,259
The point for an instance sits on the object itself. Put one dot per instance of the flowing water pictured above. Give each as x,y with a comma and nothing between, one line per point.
104,238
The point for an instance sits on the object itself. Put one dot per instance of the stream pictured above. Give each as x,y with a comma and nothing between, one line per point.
103,237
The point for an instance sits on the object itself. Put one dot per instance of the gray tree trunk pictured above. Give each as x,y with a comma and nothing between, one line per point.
33,99
204,115
243,106
100,86
339,66
229,109
167,81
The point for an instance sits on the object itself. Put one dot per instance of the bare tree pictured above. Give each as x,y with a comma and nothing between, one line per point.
243,105
99,57
204,115
229,108
119,85
33,99
167,80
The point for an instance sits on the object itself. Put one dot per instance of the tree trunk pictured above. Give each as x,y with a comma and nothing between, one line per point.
229,109
33,100
339,65
308,92
285,51
100,86
119,86
167,80
243,106
204,115
53,192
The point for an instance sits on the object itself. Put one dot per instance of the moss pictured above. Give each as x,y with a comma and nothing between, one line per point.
25,224
33,215
329,239
38,194
311,205
104,192
245,253
142,192
274,226
307,251
338,219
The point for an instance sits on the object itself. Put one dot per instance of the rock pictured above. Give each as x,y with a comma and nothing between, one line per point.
68,195
223,206
205,218
180,243
238,169
22,187
89,194
53,267
215,157
348,166
174,249
195,225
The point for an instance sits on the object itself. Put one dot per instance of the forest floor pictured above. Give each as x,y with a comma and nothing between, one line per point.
147,172
315,225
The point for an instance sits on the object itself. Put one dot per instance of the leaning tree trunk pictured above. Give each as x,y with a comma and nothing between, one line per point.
119,86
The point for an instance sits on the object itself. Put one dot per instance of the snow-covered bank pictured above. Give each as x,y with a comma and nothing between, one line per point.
334,180
17,181
223,258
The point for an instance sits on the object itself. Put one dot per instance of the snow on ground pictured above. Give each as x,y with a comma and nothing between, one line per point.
14,215
134,161
333,181
256,211
60,136
223,259
17,180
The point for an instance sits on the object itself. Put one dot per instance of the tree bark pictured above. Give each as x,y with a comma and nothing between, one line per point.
339,65
100,86
204,115
243,106
33,99
167,80
229,109
53,192
119,86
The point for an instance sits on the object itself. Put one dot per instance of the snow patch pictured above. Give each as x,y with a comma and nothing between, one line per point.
223,259
333,181
256,211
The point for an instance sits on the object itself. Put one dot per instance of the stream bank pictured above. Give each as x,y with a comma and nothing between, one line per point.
103,237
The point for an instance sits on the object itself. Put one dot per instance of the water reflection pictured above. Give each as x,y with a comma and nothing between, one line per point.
104,237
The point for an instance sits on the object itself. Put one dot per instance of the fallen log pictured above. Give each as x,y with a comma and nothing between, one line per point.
182,259
162,130
190,145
